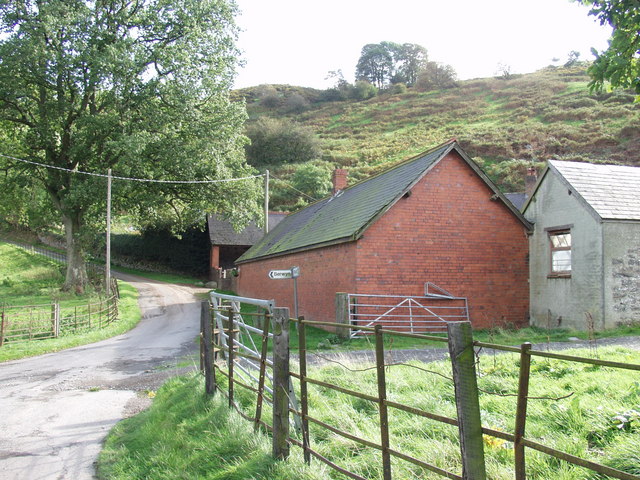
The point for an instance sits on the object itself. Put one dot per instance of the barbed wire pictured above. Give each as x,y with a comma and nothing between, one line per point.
131,179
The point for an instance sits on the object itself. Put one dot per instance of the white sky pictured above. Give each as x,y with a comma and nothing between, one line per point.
298,42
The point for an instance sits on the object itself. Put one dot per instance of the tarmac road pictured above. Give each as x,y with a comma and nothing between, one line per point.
56,409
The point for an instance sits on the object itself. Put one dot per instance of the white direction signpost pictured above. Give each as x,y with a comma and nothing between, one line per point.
294,273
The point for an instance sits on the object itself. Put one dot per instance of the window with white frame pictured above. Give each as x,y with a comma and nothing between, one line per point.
560,242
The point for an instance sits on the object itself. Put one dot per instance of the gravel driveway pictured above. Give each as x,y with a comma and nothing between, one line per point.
56,409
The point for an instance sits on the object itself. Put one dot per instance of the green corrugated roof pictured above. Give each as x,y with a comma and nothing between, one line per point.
346,215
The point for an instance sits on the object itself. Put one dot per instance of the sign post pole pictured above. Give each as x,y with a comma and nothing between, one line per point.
294,273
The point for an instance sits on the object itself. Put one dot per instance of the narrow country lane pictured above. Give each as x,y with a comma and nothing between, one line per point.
56,409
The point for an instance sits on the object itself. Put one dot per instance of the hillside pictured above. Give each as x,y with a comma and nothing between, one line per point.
504,124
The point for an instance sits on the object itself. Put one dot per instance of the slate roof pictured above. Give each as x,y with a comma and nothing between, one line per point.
221,231
345,216
613,191
518,199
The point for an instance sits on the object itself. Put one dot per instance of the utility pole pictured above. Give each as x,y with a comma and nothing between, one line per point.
107,268
266,202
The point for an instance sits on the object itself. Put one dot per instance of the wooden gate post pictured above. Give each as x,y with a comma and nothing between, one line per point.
280,383
207,346
521,410
467,402
342,314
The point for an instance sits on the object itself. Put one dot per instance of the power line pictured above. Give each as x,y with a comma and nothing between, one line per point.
132,179
287,184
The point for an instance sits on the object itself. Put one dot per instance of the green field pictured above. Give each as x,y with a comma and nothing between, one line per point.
186,435
31,279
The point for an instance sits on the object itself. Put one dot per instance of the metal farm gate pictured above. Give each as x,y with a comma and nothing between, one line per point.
413,314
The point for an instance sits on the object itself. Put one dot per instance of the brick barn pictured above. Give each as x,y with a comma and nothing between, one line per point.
433,218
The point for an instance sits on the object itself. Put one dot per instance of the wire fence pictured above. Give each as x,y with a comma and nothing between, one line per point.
463,357
24,323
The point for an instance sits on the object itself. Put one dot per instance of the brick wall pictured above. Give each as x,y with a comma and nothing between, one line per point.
323,272
449,232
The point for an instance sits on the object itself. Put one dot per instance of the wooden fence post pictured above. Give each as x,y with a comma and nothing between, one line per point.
57,319
342,314
467,402
2,327
263,369
521,410
304,394
206,343
382,406
280,382
53,320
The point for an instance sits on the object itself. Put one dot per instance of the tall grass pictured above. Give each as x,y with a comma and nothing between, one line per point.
183,430
185,435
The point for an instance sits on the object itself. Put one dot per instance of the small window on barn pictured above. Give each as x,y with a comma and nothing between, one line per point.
560,241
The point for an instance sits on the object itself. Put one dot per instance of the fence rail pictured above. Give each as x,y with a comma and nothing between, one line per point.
461,347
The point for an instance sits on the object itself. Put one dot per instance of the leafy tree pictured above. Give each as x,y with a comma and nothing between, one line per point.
314,179
362,90
276,141
140,87
388,62
436,75
375,64
409,60
619,64
572,58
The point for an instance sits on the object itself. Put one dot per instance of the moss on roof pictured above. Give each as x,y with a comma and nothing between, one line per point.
345,216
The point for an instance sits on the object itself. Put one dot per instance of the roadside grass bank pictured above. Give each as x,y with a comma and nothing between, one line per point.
184,434
128,317
28,279
585,410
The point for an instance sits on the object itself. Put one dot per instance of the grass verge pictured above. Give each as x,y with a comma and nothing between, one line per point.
162,277
128,317
185,435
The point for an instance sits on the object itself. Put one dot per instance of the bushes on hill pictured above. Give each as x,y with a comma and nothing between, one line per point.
275,141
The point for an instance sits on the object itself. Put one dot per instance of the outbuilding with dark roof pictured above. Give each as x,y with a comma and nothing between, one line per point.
434,218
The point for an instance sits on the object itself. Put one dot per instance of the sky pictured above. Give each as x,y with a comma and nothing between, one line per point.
297,42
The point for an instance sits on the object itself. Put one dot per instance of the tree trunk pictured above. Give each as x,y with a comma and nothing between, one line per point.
76,277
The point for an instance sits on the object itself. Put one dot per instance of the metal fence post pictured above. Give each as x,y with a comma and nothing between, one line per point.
231,359
467,402
342,314
280,382
521,410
